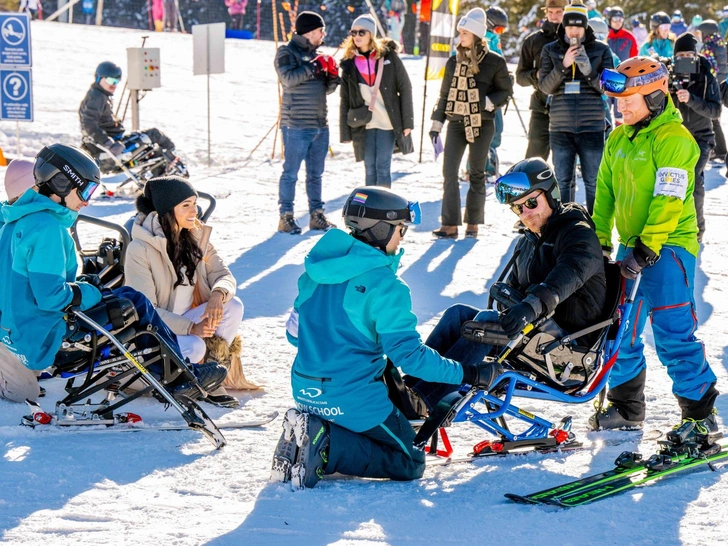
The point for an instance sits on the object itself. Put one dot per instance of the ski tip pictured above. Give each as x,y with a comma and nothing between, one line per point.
520,499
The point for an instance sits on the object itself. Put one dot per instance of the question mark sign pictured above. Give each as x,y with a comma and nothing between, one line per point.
16,84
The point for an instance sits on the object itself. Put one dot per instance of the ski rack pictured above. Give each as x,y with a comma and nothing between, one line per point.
541,432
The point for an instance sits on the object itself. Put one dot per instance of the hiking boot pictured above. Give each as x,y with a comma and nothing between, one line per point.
209,375
700,432
286,450
288,224
312,439
609,418
319,221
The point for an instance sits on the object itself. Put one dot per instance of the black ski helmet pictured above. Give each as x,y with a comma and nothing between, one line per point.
496,17
527,176
659,18
59,169
107,69
372,214
615,11
708,27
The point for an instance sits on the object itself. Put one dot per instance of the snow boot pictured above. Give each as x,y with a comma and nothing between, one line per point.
312,438
319,221
209,376
288,224
286,450
609,418
702,432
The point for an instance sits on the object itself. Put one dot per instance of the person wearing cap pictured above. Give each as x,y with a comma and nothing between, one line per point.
352,309
529,64
645,189
696,94
475,84
38,265
18,179
591,6
385,99
695,23
570,69
171,261
622,43
677,23
639,31
307,77
713,48
660,40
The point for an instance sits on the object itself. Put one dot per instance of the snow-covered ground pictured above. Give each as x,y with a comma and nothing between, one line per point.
86,487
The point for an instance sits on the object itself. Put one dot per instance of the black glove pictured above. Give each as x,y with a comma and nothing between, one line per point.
117,148
515,319
91,279
483,374
636,260
434,135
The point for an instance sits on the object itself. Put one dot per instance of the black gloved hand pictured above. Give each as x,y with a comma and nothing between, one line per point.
515,319
636,260
117,148
483,374
433,135
89,278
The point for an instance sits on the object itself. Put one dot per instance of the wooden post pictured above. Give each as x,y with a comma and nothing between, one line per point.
99,12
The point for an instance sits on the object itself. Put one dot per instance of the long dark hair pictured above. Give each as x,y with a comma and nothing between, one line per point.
182,248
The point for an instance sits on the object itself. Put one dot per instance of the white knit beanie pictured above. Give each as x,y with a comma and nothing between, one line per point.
474,22
367,23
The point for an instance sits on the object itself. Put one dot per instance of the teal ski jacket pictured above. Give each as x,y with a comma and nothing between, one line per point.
351,313
37,263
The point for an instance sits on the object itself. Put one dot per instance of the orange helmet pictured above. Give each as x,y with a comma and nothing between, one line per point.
638,75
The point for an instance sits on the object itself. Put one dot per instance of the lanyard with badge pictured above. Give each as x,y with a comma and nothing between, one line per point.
572,87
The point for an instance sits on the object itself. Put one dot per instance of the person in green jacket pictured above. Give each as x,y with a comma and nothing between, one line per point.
353,309
645,187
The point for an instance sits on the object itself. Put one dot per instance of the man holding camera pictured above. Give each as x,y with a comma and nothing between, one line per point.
570,69
696,93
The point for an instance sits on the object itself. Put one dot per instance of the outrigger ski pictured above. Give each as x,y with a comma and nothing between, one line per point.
631,470
128,422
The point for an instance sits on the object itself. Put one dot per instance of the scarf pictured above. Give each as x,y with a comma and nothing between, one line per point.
463,99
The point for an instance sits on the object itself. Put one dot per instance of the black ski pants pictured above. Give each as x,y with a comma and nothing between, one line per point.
538,136
455,145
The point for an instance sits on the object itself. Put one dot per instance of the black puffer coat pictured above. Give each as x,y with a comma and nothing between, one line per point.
395,89
97,117
704,105
567,259
492,81
580,112
529,64
304,92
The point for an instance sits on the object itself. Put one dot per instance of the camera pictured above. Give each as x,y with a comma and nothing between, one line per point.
680,70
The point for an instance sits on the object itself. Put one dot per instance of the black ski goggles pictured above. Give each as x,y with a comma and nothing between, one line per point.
69,180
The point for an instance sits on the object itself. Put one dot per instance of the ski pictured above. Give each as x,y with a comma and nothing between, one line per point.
630,471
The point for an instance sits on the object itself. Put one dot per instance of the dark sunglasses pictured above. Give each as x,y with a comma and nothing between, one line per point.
403,229
360,32
531,203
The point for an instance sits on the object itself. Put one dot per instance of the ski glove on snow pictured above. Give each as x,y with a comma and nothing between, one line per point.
481,375
636,260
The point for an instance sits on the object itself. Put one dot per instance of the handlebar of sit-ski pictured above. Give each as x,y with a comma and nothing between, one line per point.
119,162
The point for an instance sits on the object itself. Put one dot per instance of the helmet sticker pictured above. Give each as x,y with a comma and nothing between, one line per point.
360,198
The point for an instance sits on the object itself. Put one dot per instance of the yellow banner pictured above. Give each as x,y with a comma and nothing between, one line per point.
442,31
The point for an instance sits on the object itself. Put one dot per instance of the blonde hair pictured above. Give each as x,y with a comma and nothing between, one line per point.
470,55
376,44
652,36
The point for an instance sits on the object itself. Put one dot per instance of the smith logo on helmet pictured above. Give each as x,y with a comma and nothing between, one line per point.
72,175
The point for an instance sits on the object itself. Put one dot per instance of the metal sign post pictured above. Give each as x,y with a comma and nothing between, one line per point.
208,57
16,74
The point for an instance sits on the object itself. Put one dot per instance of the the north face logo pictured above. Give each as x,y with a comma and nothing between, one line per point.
361,289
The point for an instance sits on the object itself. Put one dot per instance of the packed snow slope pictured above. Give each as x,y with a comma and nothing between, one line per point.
98,487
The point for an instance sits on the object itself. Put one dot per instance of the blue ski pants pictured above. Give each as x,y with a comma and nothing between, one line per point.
665,294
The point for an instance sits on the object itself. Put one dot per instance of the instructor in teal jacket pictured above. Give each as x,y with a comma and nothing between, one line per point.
351,314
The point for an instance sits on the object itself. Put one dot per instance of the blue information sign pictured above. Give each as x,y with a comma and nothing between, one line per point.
15,39
16,94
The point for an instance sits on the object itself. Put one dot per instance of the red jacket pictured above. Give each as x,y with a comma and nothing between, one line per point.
622,43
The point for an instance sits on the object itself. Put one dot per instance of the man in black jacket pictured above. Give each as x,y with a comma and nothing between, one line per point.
307,77
100,126
570,69
529,64
558,268
696,93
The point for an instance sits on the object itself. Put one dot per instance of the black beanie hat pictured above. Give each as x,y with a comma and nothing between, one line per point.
686,42
308,21
163,194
